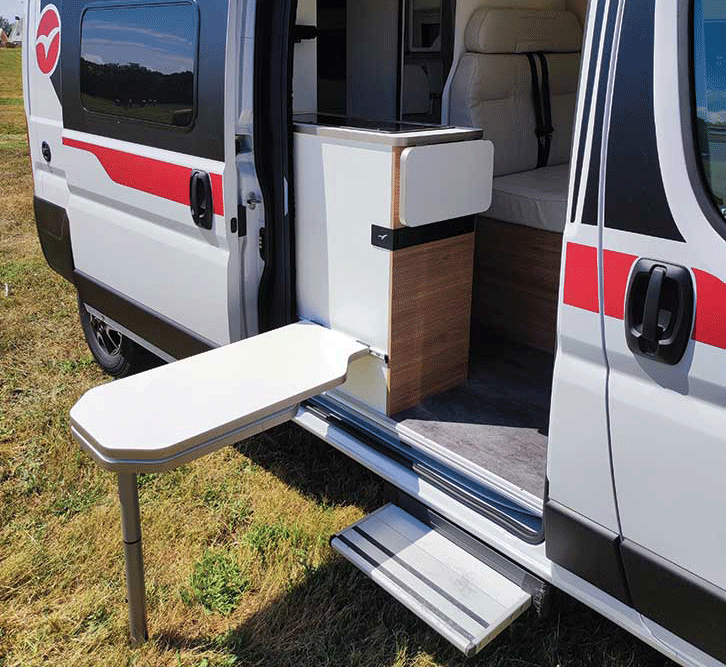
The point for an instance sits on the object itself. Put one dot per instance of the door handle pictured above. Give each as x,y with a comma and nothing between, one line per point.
651,331
200,199
659,310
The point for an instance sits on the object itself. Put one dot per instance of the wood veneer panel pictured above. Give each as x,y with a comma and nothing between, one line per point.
396,188
430,319
516,282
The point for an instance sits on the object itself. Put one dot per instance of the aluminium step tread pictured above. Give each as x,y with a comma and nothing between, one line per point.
463,599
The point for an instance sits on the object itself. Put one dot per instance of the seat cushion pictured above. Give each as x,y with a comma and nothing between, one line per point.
536,198
494,92
521,30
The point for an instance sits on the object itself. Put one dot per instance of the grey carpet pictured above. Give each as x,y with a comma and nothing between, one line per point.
498,418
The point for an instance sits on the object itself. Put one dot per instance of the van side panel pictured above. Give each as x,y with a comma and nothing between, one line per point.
582,531
578,459
129,165
44,37
667,417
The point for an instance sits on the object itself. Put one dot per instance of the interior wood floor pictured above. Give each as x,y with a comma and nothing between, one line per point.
499,417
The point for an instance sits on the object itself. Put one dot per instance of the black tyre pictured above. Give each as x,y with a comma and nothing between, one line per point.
115,353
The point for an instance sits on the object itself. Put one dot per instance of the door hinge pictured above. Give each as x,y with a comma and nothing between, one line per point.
252,200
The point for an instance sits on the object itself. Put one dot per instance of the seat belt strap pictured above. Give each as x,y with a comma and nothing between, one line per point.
546,107
542,112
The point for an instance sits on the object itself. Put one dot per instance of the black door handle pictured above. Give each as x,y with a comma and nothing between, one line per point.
659,310
200,199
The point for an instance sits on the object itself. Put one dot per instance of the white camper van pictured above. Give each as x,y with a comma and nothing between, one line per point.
477,245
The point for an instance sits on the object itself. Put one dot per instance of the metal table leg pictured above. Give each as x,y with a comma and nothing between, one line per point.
131,525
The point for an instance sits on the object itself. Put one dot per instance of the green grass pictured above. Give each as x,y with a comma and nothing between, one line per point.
217,582
239,571
11,86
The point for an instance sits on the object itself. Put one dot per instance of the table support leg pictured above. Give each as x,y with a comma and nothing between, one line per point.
131,526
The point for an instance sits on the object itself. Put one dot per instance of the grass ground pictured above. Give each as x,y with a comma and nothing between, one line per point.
239,571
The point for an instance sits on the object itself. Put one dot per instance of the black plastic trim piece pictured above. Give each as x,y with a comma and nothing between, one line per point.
55,236
677,600
635,197
273,145
161,332
241,220
688,106
586,549
406,237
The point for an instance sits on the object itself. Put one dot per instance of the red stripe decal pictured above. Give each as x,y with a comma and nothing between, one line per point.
581,277
580,290
155,177
617,267
710,325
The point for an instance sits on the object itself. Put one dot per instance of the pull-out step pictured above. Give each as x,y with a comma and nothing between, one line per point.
466,601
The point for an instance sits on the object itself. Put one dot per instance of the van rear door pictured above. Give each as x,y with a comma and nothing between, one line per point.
149,107
663,169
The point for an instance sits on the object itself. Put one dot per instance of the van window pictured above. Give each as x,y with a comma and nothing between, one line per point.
140,62
710,79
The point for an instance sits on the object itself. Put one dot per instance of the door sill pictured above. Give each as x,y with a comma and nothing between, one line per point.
464,467
519,513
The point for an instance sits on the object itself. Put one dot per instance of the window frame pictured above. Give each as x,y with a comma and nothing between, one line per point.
195,73
687,95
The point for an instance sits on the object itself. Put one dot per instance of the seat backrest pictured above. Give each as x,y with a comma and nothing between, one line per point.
492,85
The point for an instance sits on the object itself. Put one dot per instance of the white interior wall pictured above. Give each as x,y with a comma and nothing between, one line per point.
305,73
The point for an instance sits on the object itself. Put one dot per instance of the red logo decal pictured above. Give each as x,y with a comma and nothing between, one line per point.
47,40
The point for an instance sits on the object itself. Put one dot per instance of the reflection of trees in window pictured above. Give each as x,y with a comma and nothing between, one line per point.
134,90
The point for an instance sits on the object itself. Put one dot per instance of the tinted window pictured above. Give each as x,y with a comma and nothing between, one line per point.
140,62
710,78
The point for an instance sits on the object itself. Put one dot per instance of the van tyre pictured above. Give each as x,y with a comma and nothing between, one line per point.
115,353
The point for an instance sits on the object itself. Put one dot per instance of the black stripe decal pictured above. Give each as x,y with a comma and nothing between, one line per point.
437,612
635,198
406,237
582,139
422,577
592,189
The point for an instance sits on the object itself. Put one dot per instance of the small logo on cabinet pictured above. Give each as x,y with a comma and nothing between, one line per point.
47,40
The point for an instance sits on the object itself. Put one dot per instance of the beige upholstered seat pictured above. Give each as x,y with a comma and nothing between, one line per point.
492,89
535,198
